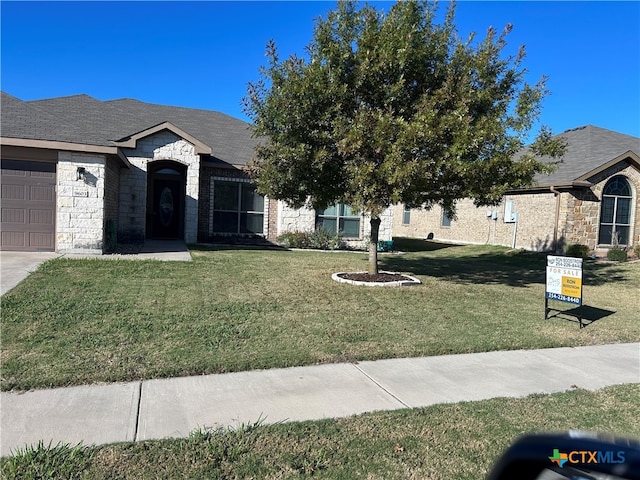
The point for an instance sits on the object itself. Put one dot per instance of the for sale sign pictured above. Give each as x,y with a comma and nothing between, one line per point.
564,279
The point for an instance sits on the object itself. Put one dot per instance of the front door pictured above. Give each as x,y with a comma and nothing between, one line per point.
167,208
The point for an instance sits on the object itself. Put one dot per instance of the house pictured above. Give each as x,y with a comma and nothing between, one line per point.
79,173
592,198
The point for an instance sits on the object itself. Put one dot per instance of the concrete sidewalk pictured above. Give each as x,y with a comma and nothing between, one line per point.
174,407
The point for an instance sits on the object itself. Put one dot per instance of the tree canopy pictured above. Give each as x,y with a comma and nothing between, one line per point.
395,108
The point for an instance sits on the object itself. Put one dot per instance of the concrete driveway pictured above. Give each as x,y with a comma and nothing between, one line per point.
16,266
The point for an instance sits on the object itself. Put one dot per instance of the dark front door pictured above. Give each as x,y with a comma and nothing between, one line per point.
167,208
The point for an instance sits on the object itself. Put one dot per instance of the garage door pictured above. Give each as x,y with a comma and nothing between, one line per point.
28,205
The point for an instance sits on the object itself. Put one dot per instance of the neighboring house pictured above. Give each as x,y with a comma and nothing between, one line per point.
592,198
77,173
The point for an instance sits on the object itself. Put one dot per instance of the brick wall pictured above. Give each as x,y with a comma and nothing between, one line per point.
475,225
272,221
207,173
111,198
578,219
133,201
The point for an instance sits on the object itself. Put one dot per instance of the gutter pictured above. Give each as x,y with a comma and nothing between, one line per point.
116,152
557,219
553,187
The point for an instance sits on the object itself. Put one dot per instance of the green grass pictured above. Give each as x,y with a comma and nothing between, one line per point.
449,441
85,321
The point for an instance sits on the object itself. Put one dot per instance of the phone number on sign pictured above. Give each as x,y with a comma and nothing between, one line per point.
563,298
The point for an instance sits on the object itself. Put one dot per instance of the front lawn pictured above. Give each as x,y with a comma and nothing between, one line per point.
86,321
441,442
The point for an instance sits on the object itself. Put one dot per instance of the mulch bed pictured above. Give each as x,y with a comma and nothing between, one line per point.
380,277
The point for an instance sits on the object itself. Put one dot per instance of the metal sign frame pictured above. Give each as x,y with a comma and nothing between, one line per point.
563,283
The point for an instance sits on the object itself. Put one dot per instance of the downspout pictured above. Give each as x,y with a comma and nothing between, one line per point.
557,219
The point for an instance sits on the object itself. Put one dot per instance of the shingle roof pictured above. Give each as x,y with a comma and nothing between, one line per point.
588,148
85,120
28,121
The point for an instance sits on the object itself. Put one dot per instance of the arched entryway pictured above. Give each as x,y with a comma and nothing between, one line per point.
166,182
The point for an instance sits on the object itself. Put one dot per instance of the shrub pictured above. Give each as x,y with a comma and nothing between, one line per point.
636,250
617,255
294,240
577,250
321,239
325,240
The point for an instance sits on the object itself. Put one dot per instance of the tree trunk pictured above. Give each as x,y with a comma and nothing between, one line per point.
373,245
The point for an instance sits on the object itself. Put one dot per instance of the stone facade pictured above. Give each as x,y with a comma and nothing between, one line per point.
80,203
295,219
304,220
109,196
163,145
583,208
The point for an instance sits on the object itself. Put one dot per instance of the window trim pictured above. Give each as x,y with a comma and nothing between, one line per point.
613,224
445,221
239,211
406,216
338,217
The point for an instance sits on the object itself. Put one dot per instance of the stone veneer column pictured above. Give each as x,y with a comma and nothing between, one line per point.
386,224
192,189
80,203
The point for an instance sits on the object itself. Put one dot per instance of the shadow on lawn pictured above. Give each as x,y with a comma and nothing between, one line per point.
516,269
405,244
213,247
585,315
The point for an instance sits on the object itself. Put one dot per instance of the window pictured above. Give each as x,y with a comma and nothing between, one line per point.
168,171
237,208
615,213
339,218
446,220
406,216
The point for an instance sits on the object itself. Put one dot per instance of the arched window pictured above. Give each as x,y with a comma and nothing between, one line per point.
615,216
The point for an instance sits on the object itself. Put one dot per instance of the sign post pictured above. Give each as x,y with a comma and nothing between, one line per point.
564,282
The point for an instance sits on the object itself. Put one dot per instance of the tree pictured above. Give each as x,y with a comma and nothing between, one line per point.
395,108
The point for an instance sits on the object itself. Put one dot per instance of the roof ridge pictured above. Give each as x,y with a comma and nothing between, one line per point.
29,105
76,95
591,128
176,107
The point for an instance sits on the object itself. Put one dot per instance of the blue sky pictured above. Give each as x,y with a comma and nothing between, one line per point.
202,54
